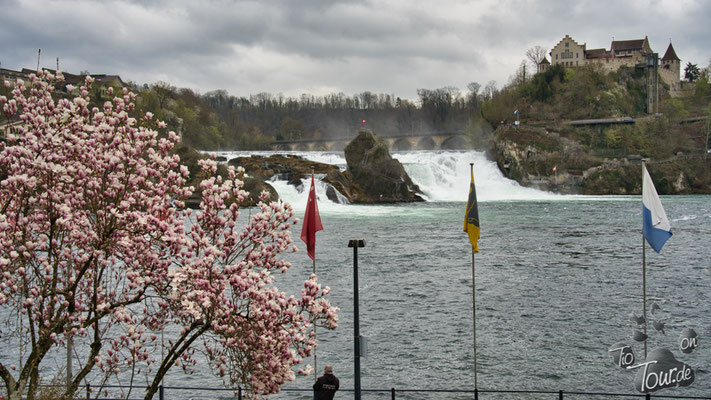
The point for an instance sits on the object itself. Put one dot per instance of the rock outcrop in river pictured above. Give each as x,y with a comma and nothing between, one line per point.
253,185
376,177
372,175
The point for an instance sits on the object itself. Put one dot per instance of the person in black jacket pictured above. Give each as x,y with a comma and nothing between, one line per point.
327,385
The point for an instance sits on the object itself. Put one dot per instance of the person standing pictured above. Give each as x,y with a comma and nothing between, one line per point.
327,385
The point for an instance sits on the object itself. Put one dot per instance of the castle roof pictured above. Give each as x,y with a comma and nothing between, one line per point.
545,61
627,44
596,53
670,55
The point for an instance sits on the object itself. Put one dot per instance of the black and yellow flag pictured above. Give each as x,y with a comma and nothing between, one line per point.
471,218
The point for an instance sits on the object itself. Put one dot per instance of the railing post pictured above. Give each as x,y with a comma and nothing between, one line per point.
392,393
560,395
161,395
88,391
648,396
239,392
476,394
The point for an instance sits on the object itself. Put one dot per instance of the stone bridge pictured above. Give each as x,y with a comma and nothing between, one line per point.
426,141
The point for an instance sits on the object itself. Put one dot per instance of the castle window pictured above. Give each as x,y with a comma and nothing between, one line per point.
567,44
576,55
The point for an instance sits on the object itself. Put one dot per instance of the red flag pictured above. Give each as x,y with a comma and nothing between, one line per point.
312,222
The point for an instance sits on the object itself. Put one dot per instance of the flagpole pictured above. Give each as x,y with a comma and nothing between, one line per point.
476,386
644,293
315,359
644,277
314,272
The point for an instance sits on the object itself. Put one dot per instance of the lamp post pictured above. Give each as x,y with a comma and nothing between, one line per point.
355,244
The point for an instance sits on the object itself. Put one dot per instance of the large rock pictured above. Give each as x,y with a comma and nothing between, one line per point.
255,187
190,157
290,168
376,177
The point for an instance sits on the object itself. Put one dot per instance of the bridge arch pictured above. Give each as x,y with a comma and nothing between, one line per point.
303,147
402,144
282,147
454,142
427,143
325,146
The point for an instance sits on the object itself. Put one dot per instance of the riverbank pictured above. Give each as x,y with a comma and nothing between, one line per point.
559,161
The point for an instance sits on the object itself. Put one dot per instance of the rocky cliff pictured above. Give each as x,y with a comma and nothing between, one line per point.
537,157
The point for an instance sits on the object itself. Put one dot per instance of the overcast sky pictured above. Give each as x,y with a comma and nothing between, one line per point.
322,46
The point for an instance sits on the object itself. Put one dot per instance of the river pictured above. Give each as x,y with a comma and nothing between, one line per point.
557,279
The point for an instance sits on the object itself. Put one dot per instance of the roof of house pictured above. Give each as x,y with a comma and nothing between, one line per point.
545,61
79,79
596,53
670,55
627,44
107,79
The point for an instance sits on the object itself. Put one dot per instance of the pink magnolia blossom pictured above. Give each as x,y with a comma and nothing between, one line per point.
96,245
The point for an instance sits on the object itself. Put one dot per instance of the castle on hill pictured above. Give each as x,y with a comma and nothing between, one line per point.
631,53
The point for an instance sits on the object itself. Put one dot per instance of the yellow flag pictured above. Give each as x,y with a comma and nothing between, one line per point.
471,218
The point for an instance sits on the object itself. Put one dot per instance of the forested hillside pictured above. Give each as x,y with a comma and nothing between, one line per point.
559,95
594,159
219,121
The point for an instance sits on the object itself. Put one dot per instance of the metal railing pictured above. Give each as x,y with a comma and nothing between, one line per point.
394,393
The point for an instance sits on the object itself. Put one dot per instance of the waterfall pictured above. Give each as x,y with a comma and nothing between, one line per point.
442,176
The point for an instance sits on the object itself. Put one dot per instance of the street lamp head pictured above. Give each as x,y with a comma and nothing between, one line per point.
356,243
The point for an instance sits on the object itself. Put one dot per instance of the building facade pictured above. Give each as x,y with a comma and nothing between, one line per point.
631,53
568,53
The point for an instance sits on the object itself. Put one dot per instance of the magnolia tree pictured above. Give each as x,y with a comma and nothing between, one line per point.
98,250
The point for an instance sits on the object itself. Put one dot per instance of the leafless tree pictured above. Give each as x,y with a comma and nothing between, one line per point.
536,54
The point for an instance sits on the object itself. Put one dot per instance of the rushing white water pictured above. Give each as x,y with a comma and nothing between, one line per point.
441,175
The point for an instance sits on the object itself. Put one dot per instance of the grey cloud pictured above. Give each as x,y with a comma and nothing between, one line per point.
350,45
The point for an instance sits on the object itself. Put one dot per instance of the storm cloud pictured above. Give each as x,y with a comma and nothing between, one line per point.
320,47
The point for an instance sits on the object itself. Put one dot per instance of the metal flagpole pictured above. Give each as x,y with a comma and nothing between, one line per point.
644,274
315,360
314,272
476,386
357,350
644,294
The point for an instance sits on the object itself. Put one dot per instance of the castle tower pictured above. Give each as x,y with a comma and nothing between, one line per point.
543,65
670,69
